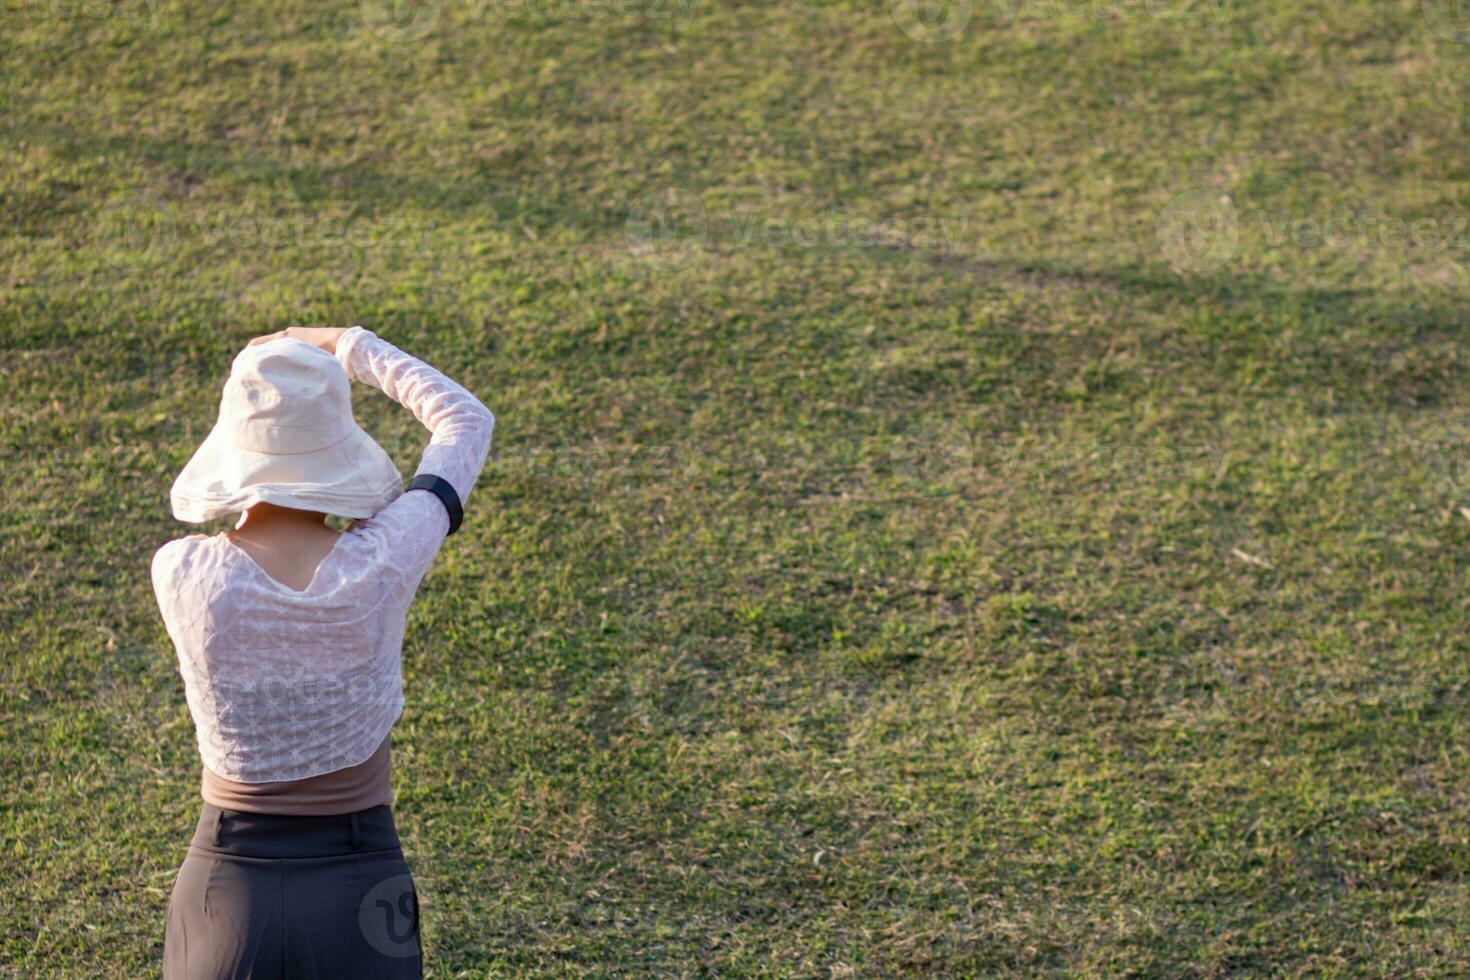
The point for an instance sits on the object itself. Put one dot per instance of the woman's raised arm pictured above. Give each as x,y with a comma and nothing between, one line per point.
460,426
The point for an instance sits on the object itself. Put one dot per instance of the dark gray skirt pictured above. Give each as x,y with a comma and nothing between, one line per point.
305,898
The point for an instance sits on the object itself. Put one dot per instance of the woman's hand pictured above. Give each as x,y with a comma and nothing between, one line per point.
323,337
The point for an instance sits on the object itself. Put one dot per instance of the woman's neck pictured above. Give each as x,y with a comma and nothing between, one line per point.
267,515
287,544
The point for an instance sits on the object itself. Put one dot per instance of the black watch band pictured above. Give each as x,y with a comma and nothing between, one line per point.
440,488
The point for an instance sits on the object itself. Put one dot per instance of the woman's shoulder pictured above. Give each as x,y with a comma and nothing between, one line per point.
178,552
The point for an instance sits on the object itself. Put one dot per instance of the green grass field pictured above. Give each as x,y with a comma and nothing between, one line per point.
979,499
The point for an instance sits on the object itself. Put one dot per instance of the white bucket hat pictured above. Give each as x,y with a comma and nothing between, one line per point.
286,436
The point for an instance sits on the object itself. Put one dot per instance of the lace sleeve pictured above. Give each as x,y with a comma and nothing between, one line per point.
460,430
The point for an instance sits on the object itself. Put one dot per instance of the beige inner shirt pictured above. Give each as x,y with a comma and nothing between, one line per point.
341,791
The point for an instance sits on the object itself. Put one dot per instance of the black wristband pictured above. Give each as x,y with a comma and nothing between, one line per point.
440,488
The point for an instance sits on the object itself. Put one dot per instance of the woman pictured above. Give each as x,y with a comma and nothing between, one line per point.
289,636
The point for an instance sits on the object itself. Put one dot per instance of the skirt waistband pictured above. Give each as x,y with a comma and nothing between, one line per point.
273,835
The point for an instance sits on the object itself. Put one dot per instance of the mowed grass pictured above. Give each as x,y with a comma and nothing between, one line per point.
910,545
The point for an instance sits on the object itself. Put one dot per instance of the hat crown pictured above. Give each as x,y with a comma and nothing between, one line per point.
286,396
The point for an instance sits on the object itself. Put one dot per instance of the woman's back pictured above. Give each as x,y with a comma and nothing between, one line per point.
289,639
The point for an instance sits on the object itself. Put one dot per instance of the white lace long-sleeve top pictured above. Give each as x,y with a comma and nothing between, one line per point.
285,684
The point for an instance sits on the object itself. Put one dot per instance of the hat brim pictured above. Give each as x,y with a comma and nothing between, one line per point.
352,478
